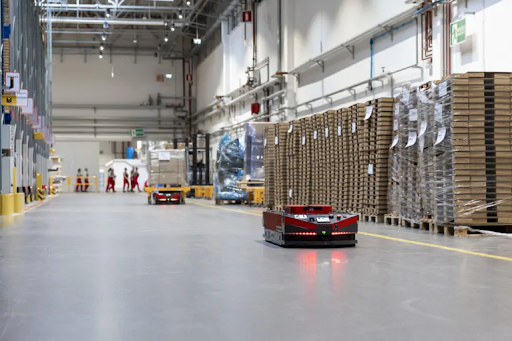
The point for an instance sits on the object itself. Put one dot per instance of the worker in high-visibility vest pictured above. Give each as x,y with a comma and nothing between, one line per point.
79,186
126,180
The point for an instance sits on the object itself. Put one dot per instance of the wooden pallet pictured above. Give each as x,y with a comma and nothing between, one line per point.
409,223
391,219
378,219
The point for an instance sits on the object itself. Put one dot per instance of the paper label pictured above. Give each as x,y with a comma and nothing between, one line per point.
412,139
290,193
370,168
395,125
353,127
443,89
395,141
413,115
164,156
303,140
265,142
291,128
423,128
277,140
439,112
397,110
339,130
315,135
440,135
421,142
369,110
405,96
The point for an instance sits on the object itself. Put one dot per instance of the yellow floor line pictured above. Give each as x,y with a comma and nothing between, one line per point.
375,235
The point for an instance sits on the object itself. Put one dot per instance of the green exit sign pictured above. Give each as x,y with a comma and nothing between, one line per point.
139,132
458,32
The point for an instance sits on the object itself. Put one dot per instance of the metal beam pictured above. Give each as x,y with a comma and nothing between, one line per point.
114,106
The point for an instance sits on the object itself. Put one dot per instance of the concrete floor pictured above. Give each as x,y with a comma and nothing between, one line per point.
109,267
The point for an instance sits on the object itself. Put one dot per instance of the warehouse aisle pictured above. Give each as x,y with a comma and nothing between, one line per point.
110,267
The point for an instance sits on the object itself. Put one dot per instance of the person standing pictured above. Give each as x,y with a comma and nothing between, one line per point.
111,182
132,179
86,180
79,186
136,179
126,180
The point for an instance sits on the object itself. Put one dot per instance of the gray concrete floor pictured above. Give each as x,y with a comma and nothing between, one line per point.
109,267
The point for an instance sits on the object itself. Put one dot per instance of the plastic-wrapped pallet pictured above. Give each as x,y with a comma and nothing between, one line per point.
426,117
394,165
167,167
253,153
409,171
229,170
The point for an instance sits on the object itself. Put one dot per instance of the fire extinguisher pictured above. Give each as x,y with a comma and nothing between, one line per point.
255,108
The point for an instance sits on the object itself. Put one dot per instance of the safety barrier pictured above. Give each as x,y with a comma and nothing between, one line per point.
256,195
203,192
82,184
41,194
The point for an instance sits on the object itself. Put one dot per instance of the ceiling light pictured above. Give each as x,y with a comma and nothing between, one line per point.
166,39
107,13
166,23
102,47
197,41
188,2
101,54
105,25
135,41
103,37
180,14
173,27
168,75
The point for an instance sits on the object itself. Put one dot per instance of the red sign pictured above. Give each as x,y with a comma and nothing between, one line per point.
246,16
160,78
189,77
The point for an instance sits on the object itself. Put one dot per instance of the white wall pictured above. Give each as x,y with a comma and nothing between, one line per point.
310,28
78,155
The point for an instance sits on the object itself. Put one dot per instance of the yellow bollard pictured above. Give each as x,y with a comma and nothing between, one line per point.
69,184
18,198
39,186
96,184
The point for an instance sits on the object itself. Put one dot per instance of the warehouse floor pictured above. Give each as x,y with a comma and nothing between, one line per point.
110,267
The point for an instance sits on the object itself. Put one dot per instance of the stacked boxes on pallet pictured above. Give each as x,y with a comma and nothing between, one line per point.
347,158
281,164
269,159
294,178
409,171
394,165
426,117
481,124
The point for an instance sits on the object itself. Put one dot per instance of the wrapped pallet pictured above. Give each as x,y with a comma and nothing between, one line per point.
167,167
229,170
254,150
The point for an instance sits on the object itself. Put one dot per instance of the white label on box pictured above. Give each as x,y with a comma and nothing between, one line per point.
397,110
22,98
395,141
291,128
413,115
303,140
421,142
12,81
326,132
412,139
423,128
395,125
440,135
339,130
370,168
277,140
290,193
353,127
405,96
443,89
265,142
164,156
439,112
29,109
369,110
315,134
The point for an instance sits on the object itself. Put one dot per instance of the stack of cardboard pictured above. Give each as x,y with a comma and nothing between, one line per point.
305,167
269,158
167,167
281,164
347,158
482,171
293,143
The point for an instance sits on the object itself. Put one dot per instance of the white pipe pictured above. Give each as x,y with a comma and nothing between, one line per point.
274,95
99,7
92,21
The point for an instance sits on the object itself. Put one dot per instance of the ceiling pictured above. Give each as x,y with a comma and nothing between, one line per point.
146,27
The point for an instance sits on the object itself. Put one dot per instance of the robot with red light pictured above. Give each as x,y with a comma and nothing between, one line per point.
309,225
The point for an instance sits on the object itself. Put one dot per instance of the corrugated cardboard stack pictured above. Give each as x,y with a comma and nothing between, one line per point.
305,161
330,174
394,165
347,158
481,122
317,159
337,162
293,145
269,161
379,118
409,171
281,165
426,119
361,152
167,167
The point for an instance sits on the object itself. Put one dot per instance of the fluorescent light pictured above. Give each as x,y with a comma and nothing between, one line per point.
168,75
101,54
188,3
107,13
103,37
166,39
135,41
197,41
102,47
180,14
173,27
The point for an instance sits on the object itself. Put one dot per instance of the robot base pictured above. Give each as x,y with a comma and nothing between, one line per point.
315,241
